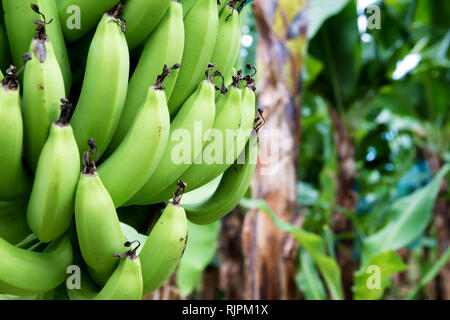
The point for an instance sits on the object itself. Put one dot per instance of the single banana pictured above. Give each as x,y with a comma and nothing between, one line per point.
43,88
27,273
19,18
220,147
228,38
232,187
105,84
134,161
142,17
98,228
51,205
200,26
13,221
195,118
78,17
164,46
126,282
15,181
165,244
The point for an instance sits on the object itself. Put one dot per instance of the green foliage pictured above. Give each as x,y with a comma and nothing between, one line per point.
408,218
393,115
307,278
380,268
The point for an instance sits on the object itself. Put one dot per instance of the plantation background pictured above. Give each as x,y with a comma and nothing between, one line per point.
362,178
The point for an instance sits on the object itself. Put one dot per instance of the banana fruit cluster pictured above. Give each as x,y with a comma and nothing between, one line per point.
157,97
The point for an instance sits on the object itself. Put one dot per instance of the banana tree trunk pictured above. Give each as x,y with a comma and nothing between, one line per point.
442,222
346,198
270,262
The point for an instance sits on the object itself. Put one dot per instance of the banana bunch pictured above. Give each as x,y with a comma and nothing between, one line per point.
109,112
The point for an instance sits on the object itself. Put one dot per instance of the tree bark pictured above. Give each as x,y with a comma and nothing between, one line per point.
231,259
269,270
168,291
346,198
442,222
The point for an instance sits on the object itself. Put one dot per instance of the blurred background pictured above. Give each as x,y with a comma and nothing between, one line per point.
358,204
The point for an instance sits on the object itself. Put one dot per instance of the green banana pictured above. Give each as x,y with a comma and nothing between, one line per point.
15,181
222,5
87,289
164,46
228,38
126,282
19,18
98,227
197,114
142,17
27,273
59,293
13,221
133,162
5,56
51,205
105,84
78,17
232,187
165,245
226,123
43,88
200,26
248,114
187,6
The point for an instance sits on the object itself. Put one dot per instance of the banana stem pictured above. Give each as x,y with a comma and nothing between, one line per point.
28,240
90,167
237,79
115,13
210,77
40,30
178,193
10,80
166,73
66,113
130,254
